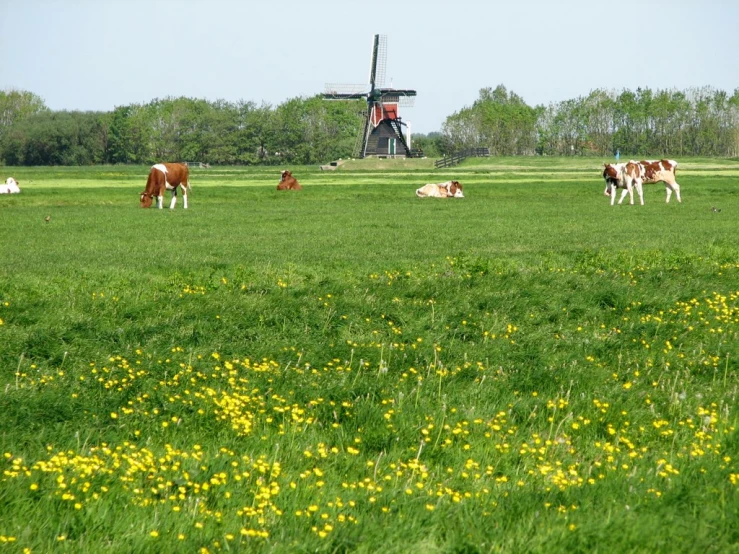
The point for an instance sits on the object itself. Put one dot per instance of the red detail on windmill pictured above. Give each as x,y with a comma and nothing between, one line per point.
386,110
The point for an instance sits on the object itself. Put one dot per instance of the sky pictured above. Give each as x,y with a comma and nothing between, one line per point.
99,54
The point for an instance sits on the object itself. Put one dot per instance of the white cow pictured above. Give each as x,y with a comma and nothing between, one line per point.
10,187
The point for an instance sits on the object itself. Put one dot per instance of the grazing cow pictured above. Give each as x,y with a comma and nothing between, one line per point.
612,173
625,176
288,182
450,189
10,187
166,177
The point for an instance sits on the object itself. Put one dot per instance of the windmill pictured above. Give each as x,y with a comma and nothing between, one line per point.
382,133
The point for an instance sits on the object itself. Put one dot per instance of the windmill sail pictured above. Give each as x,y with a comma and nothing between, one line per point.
379,61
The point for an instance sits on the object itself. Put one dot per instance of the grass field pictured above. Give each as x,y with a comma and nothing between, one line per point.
350,368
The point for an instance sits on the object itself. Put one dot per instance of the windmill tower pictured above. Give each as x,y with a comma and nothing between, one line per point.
382,133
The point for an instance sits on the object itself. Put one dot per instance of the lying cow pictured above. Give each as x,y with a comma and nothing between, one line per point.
166,177
450,189
10,187
288,182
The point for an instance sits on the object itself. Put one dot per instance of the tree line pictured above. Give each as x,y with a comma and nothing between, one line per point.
694,122
300,130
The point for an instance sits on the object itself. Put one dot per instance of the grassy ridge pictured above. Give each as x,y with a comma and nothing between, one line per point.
350,367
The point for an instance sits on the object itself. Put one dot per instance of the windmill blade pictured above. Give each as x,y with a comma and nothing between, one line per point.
360,149
399,92
407,101
404,97
337,96
392,94
334,91
379,61
373,63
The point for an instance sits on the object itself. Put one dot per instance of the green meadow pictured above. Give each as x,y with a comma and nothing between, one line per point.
349,368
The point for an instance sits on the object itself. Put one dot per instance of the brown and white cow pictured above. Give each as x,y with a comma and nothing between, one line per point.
10,187
625,176
288,182
654,171
166,177
634,174
450,189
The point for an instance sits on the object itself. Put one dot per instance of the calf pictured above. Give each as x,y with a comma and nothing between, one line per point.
450,189
10,187
166,177
288,182
625,176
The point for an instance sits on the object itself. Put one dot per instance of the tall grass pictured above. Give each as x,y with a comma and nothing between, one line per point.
351,368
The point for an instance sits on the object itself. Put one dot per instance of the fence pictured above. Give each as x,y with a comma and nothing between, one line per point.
457,157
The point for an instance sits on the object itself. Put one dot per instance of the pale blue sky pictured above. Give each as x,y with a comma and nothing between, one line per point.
98,54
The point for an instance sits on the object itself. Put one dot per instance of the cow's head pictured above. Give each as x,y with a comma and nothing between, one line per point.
145,199
285,173
455,190
612,173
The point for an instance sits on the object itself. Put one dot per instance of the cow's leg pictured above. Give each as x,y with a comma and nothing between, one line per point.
639,191
174,199
614,190
184,197
623,195
668,190
160,201
673,187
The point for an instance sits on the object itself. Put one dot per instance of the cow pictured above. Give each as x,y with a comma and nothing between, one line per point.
613,174
654,171
635,174
166,177
625,176
10,187
288,182
450,189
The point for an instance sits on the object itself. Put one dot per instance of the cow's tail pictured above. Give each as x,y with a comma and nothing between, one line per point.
189,188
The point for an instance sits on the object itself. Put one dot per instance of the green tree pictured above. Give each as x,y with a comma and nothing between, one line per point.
498,119
431,143
58,138
121,143
15,106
